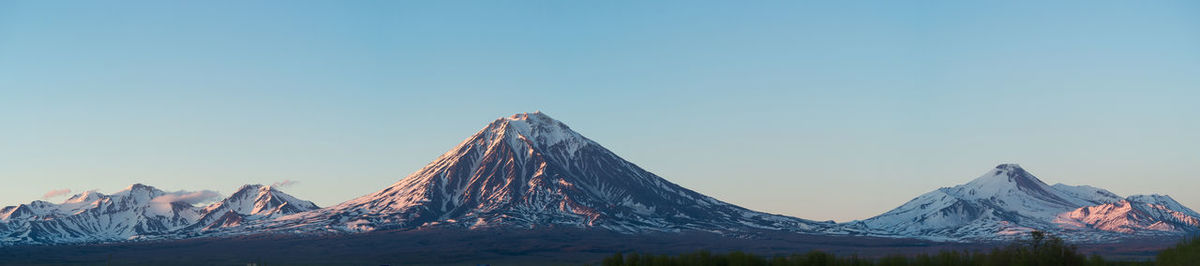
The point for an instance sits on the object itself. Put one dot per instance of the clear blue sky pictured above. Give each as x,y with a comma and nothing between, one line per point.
818,110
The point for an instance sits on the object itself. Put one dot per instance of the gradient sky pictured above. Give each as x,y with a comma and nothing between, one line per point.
818,110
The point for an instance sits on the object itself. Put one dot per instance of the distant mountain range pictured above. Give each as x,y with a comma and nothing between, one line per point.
532,172
139,212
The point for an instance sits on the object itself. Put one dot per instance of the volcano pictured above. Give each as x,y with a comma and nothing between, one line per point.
1008,201
532,171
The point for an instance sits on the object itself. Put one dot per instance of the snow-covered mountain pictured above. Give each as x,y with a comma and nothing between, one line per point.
1165,201
531,171
249,203
1008,201
138,212
1131,217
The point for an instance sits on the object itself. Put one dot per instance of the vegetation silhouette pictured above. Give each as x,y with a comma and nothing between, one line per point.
1039,249
1184,253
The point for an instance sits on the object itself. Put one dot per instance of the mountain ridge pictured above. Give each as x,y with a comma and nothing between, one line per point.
138,212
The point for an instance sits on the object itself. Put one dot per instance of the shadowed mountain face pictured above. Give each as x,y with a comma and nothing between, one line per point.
1008,201
528,171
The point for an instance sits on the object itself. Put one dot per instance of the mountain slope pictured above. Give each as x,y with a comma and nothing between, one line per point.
1009,201
1090,194
530,171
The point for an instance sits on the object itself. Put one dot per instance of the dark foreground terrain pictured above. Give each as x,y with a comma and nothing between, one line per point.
1037,249
495,247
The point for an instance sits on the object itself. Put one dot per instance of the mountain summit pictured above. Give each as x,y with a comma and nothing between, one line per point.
250,202
530,170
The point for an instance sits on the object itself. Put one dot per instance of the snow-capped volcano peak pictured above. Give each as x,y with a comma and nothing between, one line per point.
1012,181
1008,200
1004,199
537,129
1007,175
538,115
529,170
1009,167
